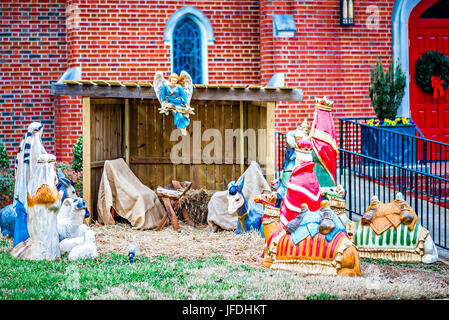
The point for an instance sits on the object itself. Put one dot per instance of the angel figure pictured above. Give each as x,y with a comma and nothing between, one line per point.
175,95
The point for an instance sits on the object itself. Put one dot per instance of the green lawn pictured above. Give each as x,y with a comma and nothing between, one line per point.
108,277
165,277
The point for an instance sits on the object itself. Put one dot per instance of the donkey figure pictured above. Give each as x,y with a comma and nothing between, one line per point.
249,216
65,187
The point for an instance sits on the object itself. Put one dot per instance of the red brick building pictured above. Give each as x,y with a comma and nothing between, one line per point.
241,42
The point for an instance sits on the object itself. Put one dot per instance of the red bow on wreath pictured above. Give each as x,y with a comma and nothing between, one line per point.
436,85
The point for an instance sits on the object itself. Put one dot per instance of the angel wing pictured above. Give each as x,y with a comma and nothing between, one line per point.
188,87
158,83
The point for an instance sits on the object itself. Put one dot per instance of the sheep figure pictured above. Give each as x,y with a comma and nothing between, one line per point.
68,244
88,249
70,217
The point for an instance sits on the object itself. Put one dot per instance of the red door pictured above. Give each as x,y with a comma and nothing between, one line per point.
429,30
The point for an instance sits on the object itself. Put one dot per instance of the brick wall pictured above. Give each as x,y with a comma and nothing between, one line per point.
33,53
123,40
325,59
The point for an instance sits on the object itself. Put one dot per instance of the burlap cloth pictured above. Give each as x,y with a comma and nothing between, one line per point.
130,198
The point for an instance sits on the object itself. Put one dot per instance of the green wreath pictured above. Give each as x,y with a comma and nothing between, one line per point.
432,64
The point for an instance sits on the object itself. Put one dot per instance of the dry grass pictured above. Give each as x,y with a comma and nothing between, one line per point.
196,204
381,281
190,243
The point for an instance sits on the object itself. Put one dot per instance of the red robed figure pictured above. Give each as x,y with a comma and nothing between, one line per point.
324,142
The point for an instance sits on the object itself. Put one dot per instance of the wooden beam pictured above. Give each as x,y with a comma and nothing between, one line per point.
137,92
97,164
242,140
161,160
127,130
86,157
271,106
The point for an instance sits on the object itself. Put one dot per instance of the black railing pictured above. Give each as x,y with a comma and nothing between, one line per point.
427,194
280,141
405,146
382,162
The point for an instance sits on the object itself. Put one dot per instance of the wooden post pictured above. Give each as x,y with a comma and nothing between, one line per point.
242,141
271,106
86,157
126,133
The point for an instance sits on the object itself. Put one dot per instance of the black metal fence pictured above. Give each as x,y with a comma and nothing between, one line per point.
376,161
401,145
280,140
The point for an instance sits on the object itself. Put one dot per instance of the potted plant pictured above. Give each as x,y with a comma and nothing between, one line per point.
378,136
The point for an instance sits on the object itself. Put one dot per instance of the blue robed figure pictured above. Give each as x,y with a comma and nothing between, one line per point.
175,95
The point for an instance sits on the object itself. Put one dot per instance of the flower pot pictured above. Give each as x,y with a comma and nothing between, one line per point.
383,143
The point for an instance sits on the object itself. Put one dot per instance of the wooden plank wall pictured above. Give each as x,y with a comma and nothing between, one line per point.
106,139
150,144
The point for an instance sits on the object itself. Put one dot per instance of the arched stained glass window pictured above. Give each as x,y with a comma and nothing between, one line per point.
187,52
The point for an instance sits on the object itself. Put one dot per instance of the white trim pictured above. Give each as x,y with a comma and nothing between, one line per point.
283,220
301,189
401,14
207,35
291,206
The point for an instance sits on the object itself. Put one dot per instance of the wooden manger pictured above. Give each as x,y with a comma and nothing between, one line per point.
170,196
121,120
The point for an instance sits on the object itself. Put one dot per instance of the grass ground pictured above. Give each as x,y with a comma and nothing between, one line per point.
203,274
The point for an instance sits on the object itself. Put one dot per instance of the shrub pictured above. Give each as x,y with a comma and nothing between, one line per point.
386,90
6,187
70,173
4,157
78,155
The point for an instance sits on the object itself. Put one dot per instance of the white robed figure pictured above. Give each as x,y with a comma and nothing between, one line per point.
43,202
174,96
31,148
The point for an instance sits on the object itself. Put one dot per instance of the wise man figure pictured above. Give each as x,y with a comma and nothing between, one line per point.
174,99
303,186
323,138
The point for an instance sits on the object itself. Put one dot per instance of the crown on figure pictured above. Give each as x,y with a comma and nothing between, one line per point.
304,146
323,104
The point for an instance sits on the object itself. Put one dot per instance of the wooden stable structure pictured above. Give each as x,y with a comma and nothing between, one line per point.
122,120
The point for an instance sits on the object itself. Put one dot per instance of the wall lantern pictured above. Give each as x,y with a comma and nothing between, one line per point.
347,12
